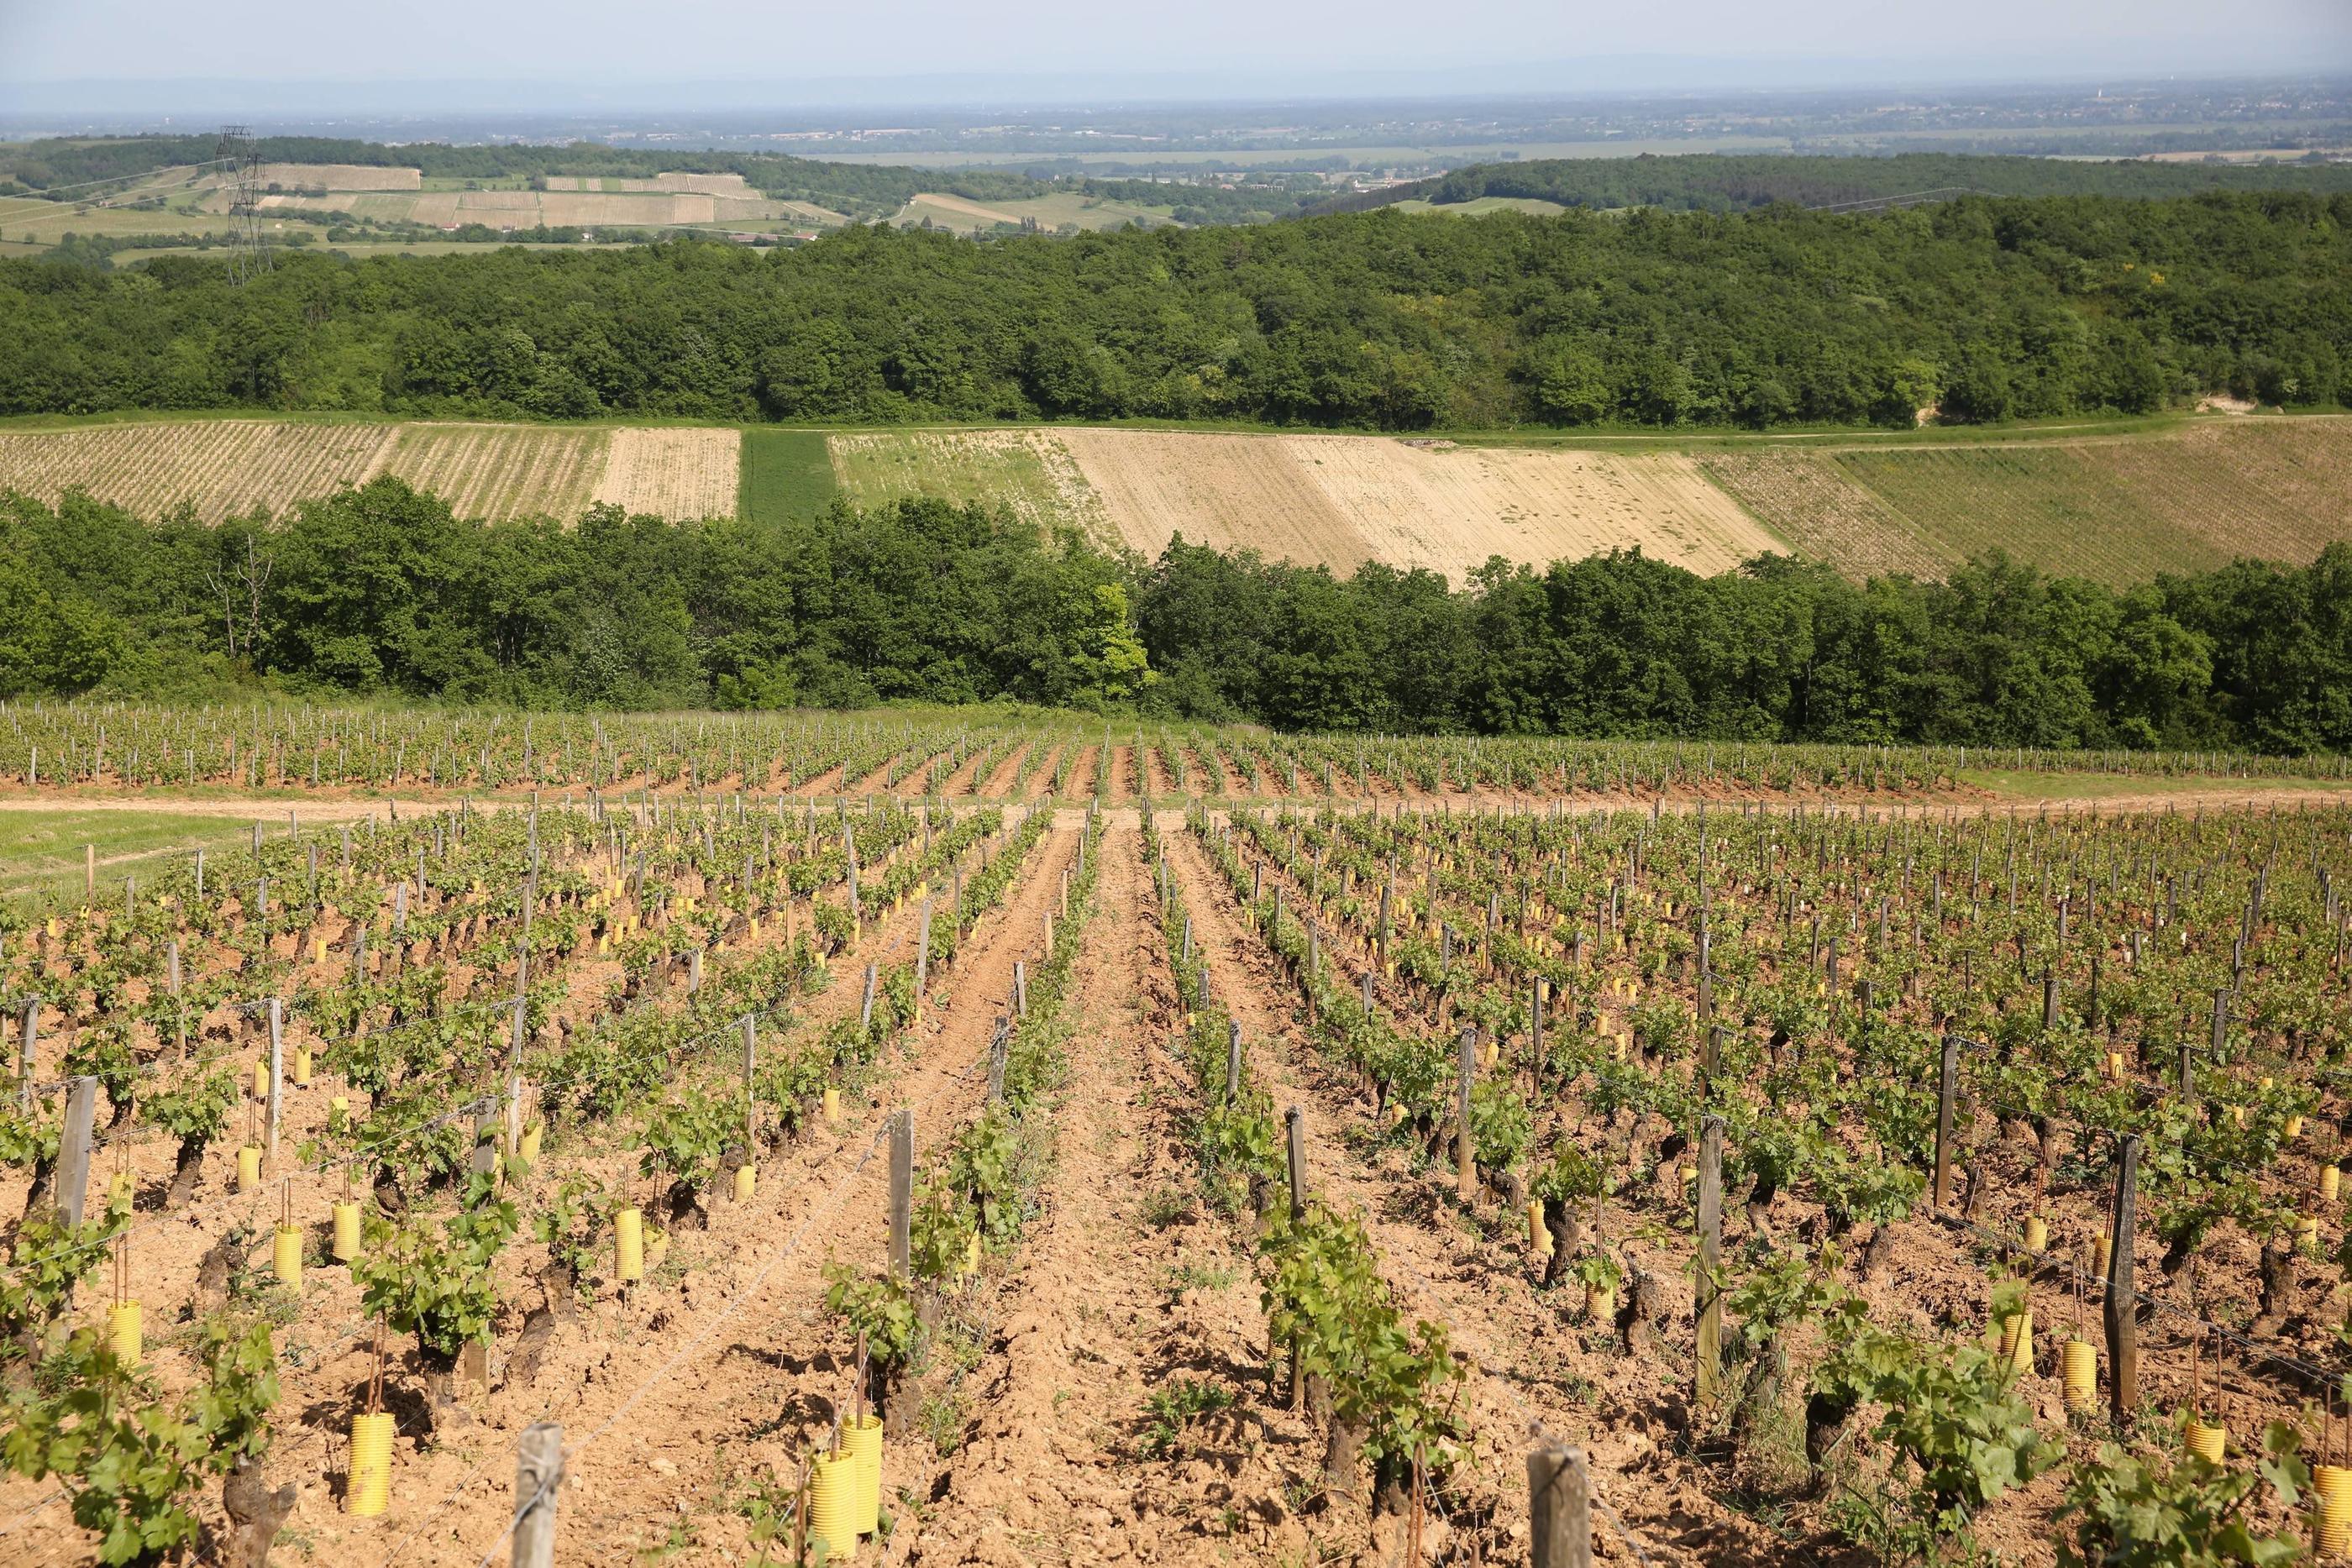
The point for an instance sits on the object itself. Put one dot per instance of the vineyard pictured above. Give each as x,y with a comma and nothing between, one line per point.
790,1139
2115,510
110,747
503,471
222,468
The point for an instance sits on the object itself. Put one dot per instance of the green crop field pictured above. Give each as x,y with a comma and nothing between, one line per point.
1028,472
785,474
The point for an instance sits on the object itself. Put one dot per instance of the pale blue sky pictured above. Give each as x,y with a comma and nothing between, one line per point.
1267,42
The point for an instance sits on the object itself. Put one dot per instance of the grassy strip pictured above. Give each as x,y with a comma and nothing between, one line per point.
786,475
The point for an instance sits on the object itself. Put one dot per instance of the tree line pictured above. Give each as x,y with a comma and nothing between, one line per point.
1724,181
382,590
1991,308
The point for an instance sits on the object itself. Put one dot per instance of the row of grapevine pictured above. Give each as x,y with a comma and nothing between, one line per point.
279,746
1790,988
581,1025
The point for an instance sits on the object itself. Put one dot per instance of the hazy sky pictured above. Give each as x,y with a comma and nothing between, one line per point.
1796,42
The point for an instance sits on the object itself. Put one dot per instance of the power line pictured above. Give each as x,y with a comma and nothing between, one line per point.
46,191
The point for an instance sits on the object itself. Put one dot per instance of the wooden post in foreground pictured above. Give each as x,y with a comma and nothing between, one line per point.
1948,1087
539,1477
276,1073
1294,1145
1559,1511
902,1191
73,1147
2118,1309
1710,1262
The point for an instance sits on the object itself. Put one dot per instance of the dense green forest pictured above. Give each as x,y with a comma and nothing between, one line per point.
860,189
381,590
1724,182
1994,307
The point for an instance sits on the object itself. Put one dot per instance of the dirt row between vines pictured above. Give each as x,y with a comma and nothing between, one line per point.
1930,1278
1540,1369
745,1372
1127,1286
447,1462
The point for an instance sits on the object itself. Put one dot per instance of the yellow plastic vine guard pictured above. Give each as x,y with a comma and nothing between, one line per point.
285,1256
832,1504
2331,1514
2081,1365
371,1479
861,1439
123,1331
2211,1443
629,1245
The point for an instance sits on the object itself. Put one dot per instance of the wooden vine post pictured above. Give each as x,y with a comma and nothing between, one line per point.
1947,1086
923,951
750,1071
2122,1322
73,1147
1000,1044
1710,1262
1560,1511
28,1034
276,1073
902,1192
538,1480
1465,1180
1295,1151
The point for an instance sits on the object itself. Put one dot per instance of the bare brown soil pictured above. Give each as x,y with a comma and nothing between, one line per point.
453,1468
1536,1369
673,473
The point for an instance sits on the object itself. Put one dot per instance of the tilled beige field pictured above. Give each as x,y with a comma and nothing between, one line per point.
673,473
226,468
1450,509
222,468
503,470
343,176
1232,491
1339,501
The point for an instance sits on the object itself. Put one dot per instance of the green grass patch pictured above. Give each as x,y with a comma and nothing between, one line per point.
42,852
786,475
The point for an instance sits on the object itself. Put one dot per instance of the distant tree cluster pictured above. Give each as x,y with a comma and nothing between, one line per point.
380,590
1727,182
1991,307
